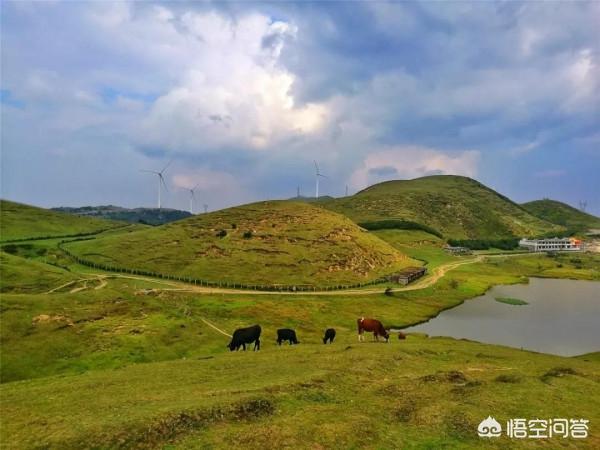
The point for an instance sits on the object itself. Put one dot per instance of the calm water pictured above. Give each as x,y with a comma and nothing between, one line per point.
563,317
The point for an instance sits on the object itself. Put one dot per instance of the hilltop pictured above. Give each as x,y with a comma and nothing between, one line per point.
457,207
148,216
562,214
275,242
19,221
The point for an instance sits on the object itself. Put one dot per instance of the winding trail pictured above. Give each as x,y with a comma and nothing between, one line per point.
423,283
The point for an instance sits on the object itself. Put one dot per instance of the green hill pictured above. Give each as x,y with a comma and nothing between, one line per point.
19,221
562,214
22,275
276,242
457,207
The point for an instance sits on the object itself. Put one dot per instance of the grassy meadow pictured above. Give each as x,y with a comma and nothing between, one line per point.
91,359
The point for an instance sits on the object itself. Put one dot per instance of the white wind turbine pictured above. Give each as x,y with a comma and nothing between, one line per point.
317,175
161,180
192,198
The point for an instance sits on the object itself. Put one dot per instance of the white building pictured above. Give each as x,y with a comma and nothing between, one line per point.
550,245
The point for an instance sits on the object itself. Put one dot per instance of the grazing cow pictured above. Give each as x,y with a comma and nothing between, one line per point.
401,335
285,334
243,336
371,325
329,336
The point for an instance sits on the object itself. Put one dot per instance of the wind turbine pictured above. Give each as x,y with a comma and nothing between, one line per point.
161,180
205,208
317,175
192,198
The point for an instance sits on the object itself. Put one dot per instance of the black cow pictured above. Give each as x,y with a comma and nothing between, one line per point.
243,336
329,335
285,334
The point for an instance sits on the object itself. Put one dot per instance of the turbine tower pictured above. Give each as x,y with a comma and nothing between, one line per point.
192,198
161,180
317,175
582,205
205,208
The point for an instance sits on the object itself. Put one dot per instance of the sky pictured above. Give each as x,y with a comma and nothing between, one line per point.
243,97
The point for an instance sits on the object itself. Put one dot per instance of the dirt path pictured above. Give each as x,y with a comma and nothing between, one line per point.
429,280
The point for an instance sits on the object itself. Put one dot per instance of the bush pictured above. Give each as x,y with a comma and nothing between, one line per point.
453,284
389,292
233,226
398,225
247,234
221,234
485,244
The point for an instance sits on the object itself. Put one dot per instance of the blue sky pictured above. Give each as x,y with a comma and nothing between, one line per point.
244,96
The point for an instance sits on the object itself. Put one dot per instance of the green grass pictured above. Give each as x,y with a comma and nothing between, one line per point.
130,365
18,221
18,275
511,301
263,243
457,207
562,214
418,393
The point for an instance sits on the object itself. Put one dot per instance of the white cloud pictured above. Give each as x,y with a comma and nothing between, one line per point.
233,92
413,162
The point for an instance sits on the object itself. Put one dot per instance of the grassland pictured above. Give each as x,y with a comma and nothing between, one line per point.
562,214
457,207
94,360
18,221
263,243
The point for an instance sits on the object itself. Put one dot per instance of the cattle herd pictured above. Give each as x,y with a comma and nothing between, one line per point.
249,335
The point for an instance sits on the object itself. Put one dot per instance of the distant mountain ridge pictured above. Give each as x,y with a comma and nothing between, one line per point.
148,216
562,214
455,206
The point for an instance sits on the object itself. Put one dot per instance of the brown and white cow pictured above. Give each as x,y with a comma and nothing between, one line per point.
371,325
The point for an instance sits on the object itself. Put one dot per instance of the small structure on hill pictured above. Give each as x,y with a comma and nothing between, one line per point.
407,275
458,250
551,245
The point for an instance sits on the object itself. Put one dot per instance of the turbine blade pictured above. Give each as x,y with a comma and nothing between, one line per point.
162,180
168,164
316,166
149,171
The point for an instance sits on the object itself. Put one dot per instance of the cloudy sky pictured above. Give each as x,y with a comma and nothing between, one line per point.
244,96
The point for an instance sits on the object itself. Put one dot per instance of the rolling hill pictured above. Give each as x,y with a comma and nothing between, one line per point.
562,214
148,216
275,242
455,206
19,221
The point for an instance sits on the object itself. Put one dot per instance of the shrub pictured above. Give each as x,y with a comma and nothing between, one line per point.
233,226
398,225
389,292
221,234
247,234
454,283
485,244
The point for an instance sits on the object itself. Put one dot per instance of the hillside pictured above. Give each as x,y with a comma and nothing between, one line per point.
278,242
20,275
148,216
457,207
562,214
19,221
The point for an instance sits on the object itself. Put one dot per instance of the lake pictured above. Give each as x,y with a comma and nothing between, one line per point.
562,317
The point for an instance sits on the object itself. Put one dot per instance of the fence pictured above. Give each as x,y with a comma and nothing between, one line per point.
207,283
